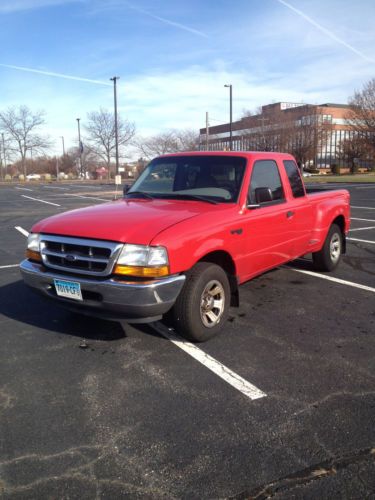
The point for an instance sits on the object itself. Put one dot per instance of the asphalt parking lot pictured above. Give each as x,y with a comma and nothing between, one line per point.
281,405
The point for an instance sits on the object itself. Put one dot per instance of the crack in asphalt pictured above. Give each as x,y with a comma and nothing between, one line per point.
82,471
315,472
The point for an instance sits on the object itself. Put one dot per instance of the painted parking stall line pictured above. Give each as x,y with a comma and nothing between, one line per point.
335,280
9,266
222,371
22,189
361,241
87,197
362,228
365,220
41,201
363,208
22,230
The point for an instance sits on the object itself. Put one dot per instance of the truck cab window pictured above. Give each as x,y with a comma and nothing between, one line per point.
265,174
294,178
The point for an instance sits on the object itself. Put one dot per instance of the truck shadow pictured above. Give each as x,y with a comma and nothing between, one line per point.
19,303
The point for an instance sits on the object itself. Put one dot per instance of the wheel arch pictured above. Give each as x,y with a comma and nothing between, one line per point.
226,262
340,222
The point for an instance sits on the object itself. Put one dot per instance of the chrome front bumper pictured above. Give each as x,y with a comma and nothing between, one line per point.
108,298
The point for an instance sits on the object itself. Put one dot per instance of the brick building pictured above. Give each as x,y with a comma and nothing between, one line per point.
268,131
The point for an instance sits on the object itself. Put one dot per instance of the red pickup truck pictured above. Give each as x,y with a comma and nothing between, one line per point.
190,230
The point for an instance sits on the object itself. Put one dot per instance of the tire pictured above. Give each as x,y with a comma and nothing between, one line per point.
202,307
328,258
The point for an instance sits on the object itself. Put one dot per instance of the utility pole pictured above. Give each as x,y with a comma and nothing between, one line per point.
80,146
1,165
207,131
4,155
230,115
114,80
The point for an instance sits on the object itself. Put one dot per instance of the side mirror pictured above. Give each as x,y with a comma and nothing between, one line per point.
263,194
126,188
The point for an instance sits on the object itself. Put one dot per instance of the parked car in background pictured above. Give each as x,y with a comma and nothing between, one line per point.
33,177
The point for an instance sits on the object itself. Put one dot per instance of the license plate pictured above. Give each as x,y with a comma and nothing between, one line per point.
68,289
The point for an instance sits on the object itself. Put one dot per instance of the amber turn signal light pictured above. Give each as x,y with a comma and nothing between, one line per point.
141,272
32,255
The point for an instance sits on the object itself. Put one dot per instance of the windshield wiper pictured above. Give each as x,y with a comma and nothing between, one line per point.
142,194
190,197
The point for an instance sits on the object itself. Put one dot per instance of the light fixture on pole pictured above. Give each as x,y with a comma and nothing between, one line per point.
114,80
230,115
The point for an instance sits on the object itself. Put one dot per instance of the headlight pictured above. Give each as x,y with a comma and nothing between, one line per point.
142,261
33,247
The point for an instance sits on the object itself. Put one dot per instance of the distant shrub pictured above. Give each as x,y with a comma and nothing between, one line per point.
47,177
7,178
21,177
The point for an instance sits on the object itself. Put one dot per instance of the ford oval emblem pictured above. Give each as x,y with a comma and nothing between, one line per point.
71,258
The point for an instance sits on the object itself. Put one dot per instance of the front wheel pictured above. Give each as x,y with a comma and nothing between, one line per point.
202,307
328,258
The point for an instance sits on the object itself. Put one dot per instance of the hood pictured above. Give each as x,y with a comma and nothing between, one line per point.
133,221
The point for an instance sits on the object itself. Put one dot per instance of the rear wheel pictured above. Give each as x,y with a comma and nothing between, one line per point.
202,307
328,258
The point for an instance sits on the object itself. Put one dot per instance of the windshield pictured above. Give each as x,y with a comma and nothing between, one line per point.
206,178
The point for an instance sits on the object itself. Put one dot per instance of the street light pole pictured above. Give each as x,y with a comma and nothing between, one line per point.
230,116
79,146
63,144
4,155
114,80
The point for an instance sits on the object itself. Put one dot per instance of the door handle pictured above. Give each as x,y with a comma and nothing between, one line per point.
289,214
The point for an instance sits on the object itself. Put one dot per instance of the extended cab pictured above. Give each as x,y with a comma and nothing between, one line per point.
191,229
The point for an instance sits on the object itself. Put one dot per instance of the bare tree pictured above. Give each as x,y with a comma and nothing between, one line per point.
172,141
187,139
353,150
101,139
362,114
21,127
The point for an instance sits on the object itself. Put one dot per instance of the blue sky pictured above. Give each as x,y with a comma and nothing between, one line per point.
174,57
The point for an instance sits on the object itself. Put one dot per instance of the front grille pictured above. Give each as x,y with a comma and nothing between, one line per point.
78,255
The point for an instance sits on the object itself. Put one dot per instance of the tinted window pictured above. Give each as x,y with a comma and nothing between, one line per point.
266,175
294,178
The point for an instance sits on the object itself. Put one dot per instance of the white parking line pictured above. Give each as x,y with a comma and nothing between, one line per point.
362,228
22,189
41,201
362,241
366,220
335,280
89,197
364,208
11,265
55,187
22,230
212,364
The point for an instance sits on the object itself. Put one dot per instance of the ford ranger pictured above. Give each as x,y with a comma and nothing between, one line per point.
189,231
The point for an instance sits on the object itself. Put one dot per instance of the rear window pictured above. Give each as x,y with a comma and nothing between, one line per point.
294,177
